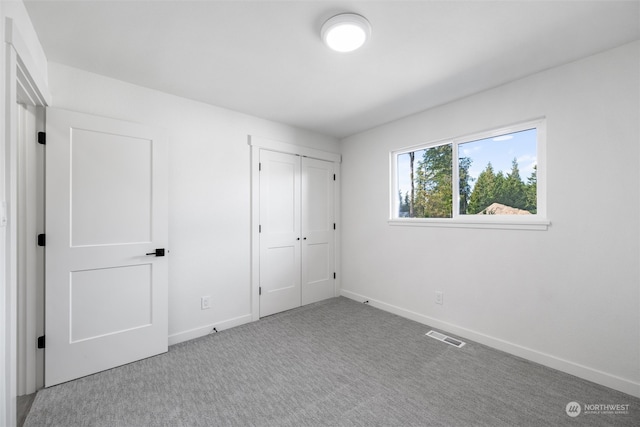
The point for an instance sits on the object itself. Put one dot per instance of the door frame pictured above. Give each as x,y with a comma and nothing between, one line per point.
30,291
24,81
258,143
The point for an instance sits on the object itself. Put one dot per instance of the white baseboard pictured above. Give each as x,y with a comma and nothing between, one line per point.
581,371
207,329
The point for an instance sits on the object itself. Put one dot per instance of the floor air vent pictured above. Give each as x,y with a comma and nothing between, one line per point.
445,338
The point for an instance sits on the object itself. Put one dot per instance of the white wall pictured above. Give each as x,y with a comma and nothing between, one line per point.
567,297
209,190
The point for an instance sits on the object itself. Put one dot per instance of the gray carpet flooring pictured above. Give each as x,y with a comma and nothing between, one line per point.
333,363
23,406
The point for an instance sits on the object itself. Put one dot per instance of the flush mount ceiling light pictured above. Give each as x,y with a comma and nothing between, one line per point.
345,32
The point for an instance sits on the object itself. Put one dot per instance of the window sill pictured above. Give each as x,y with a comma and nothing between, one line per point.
503,223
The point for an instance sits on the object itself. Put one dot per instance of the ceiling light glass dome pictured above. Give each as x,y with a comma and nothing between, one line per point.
346,32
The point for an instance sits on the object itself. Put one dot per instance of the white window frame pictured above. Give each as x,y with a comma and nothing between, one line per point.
538,221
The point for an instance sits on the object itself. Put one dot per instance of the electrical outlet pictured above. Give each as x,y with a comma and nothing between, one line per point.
439,297
205,303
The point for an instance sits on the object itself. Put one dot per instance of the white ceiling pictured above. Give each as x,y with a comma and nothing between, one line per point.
265,58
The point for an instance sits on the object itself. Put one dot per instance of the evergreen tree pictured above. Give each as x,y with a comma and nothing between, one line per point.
464,183
507,190
531,191
498,188
512,192
434,196
484,192
412,156
407,202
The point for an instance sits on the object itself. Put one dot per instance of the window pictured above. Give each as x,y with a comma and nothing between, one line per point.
492,179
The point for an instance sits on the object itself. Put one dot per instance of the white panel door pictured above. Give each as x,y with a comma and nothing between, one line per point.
317,230
279,232
106,214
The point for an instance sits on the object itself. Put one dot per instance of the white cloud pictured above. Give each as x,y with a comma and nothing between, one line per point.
503,138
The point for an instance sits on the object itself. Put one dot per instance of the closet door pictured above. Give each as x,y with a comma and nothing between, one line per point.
280,260
318,219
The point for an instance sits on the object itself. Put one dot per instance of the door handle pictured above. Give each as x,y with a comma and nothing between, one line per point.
157,252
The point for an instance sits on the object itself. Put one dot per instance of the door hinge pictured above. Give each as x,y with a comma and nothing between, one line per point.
260,290
41,342
334,275
259,228
42,138
41,240
334,176
334,225
259,166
